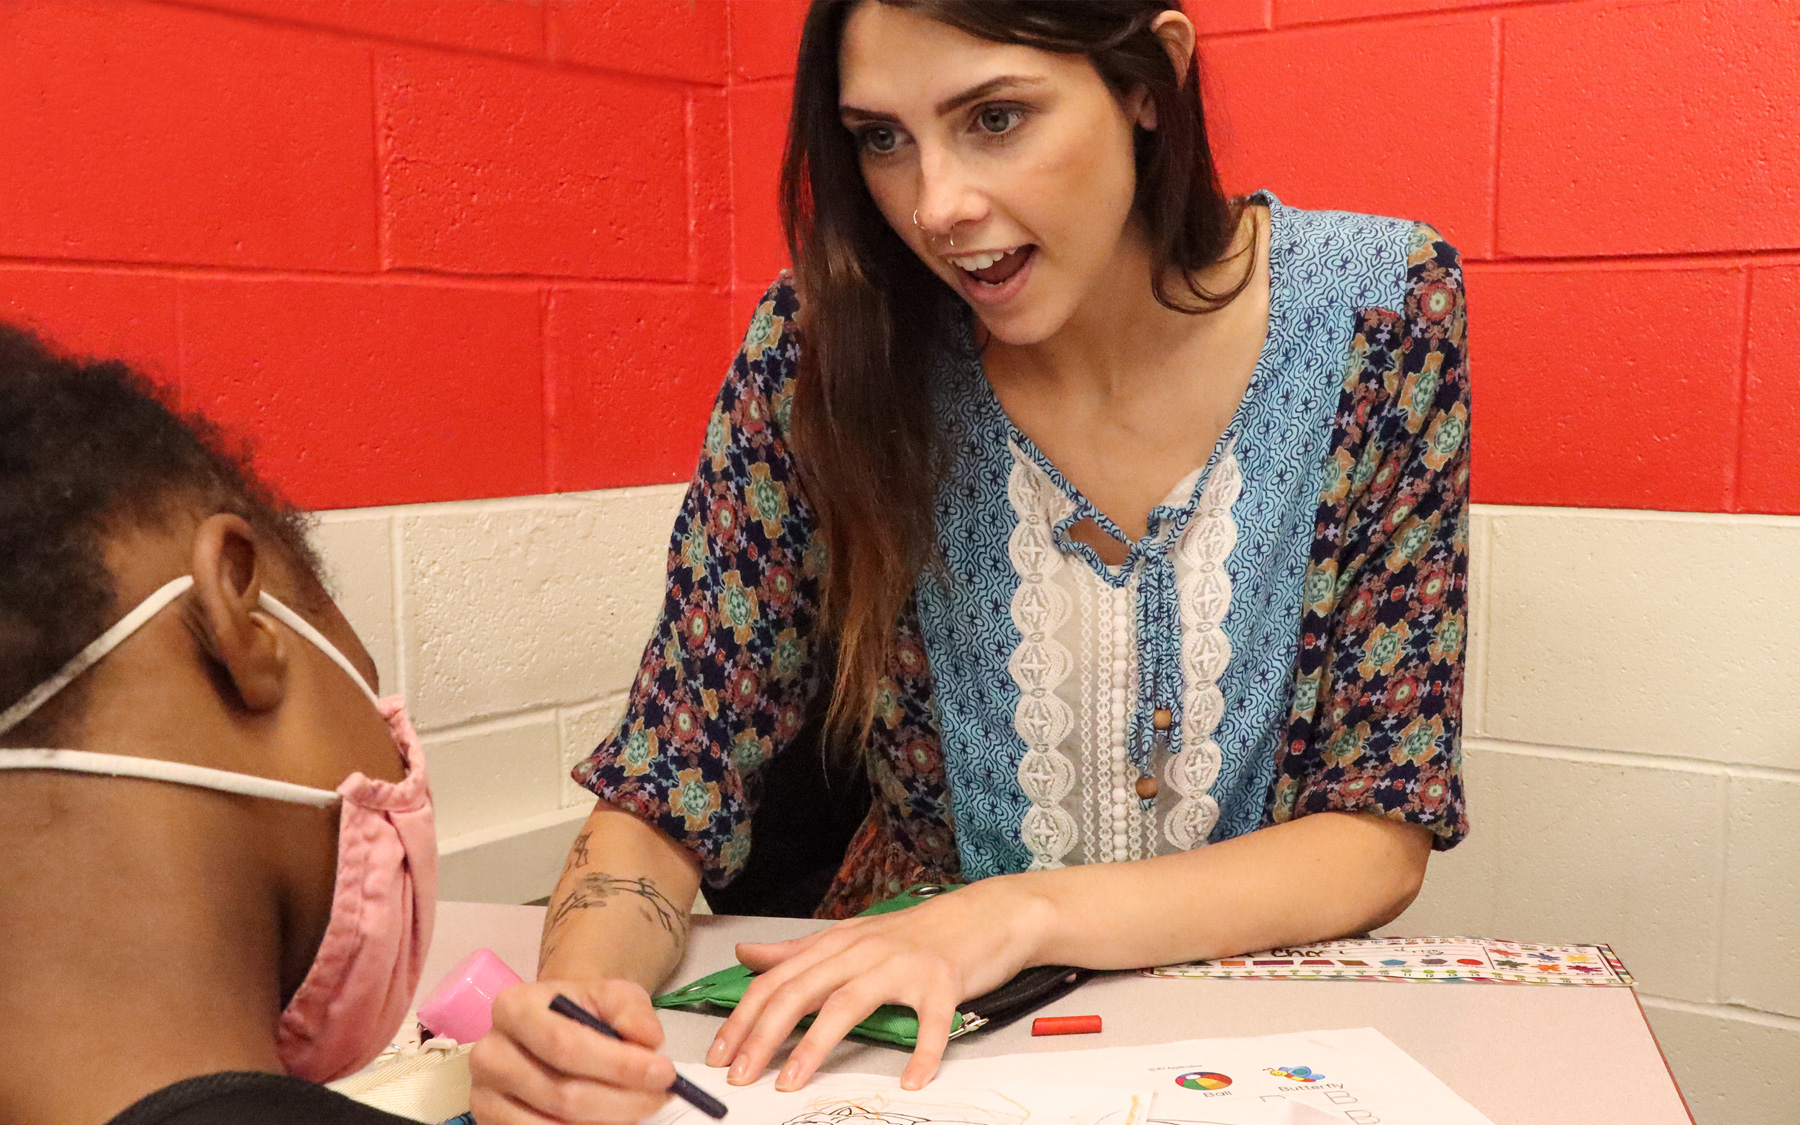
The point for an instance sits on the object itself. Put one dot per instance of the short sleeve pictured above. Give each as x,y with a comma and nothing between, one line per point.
1376,721
729,671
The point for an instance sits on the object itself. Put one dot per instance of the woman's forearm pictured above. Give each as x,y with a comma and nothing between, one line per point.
622,906
1314,878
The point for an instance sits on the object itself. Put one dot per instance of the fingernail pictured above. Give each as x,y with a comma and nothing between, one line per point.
790,1077
715,1054
738,1070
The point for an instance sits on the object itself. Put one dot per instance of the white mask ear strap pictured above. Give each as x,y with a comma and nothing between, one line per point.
89,656
133,621
157,769
305,628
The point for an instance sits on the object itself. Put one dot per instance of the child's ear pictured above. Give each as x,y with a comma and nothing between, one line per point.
228,571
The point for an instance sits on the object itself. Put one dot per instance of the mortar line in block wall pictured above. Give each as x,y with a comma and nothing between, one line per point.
550,393
574,500
730,38
378,168
181,336
690,162
492,724
1498,100
1480,609
1739,403
1638,515
551,49
1642,260
1274,24
481,837
442,278
767,80
545,501
617,695
397,576
662,82
342,34
1722,880
1637,760
1503,7
541,59
1739,1012
615,702
731,168
562,756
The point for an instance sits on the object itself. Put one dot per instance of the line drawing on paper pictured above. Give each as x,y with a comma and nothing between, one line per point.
839,1102
890,1107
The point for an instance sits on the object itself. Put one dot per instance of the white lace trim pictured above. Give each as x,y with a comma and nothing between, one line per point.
1204,589
1121,821
1041,663
1091,769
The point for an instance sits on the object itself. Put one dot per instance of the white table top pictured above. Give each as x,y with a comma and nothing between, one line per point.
1523,1055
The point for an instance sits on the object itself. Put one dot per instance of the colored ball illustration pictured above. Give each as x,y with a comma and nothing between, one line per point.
1202,1080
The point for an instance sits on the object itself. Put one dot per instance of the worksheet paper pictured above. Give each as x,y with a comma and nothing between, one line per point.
1351,1077
848,1099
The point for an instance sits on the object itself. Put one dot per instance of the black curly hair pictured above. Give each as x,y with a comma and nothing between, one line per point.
89,446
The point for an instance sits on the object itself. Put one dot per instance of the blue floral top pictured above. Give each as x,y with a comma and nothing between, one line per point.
1287,638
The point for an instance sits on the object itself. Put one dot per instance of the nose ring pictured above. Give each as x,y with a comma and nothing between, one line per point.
927,233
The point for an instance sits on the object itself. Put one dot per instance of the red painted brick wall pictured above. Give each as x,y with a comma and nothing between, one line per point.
419,250
437,249
1623,179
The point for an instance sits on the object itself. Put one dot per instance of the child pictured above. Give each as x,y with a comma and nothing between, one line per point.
217,863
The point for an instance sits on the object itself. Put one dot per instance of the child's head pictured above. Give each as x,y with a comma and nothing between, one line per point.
95,463
236,662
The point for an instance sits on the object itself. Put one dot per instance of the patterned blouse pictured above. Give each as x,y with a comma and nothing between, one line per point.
1286,639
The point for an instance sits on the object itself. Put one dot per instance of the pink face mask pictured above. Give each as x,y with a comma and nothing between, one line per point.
362,980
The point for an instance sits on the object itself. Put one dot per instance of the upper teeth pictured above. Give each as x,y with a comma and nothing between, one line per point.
974,262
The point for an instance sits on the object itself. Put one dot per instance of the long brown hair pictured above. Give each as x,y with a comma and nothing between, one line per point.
871,312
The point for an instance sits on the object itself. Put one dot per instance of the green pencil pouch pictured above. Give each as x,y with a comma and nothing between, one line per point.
895,1024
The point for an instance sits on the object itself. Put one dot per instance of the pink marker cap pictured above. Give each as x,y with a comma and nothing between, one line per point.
461,1007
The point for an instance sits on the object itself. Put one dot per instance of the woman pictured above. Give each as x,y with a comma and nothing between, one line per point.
1121,525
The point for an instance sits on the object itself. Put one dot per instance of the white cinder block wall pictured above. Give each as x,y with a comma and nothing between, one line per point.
1632,748
514,627
1633,765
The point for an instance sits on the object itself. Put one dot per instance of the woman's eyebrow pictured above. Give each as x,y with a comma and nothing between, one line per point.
991,86
950,104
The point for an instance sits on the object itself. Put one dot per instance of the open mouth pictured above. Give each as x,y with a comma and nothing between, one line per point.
994,268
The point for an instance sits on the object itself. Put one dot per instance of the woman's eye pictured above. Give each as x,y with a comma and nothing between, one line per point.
879,139
997,119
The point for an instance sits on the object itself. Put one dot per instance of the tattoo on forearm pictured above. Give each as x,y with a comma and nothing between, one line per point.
578,853
597,889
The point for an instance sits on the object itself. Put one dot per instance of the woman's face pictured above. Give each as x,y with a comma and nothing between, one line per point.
1016,162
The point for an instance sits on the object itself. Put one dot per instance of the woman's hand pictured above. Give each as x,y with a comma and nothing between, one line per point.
929,958
537,1067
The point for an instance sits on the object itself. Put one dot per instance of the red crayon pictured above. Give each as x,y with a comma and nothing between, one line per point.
1065,1025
